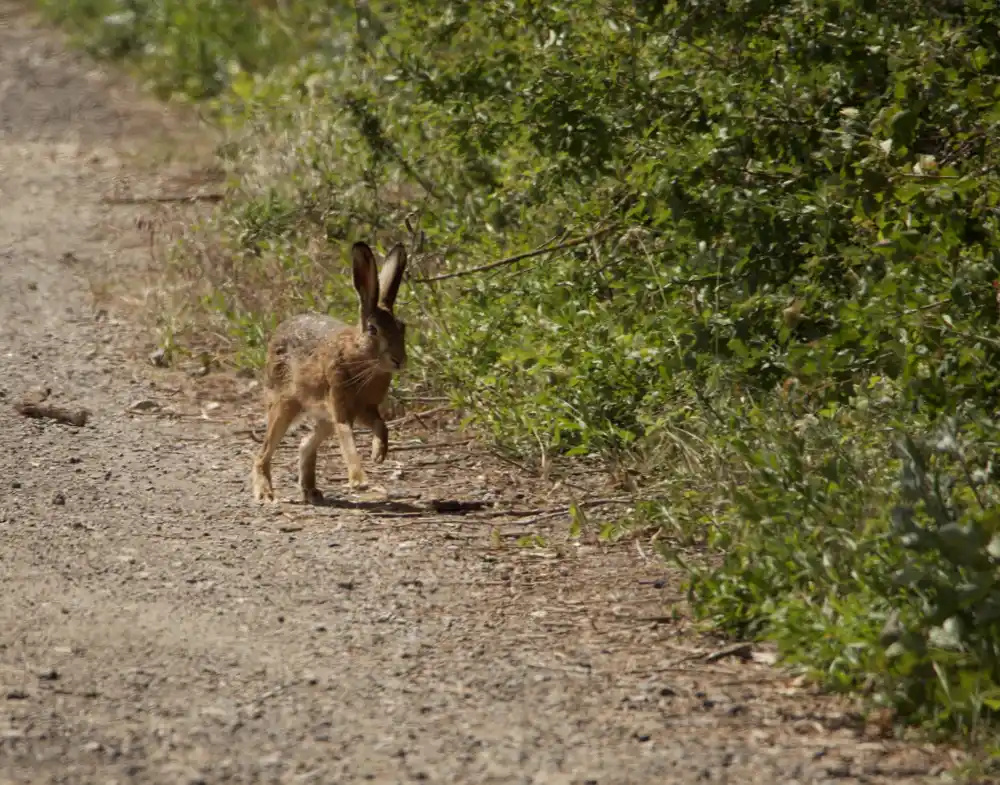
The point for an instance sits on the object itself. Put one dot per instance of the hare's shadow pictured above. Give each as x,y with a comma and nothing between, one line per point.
382,505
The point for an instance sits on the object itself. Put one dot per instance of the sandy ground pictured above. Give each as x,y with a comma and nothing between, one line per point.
157,626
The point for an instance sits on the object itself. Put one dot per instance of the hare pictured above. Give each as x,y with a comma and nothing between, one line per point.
336,373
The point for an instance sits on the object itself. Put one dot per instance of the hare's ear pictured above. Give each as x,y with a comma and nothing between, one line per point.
391,276
365,278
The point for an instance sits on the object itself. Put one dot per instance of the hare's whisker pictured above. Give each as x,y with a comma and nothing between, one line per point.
367,369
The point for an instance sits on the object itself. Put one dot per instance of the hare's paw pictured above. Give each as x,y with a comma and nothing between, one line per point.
312,496
356,477
263,492
261,481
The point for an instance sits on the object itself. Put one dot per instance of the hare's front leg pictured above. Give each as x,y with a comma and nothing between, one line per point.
307,461
355,474
380,433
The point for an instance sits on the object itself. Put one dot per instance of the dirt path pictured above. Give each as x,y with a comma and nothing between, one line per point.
156,626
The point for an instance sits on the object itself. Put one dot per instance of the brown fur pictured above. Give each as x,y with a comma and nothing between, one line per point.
336,373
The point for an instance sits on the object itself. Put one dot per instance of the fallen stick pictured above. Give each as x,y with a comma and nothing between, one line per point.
164,198
743,651
47,411
440,462
430,445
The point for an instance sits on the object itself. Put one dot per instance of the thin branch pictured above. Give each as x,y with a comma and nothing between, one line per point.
517,257
416,416
927,306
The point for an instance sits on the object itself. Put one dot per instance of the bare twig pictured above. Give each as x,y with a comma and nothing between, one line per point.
544,516
927,306
46,411
518,257
431,445
537,516
931,176
414,520
416,416
512,462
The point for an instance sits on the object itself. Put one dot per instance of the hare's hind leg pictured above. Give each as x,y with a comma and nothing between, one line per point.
281,413
307,461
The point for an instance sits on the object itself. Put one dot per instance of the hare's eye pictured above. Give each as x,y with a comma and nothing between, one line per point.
372,329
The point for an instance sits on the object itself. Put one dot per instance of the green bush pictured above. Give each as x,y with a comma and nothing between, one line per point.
194,47
873,570
769,284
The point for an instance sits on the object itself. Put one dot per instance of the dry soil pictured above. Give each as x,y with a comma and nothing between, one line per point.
158,626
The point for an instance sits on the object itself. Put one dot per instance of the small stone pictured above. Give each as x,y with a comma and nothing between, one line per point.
16,694
49,674
158,358
144,405
58,498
